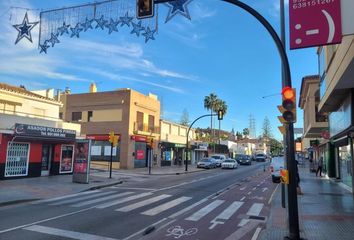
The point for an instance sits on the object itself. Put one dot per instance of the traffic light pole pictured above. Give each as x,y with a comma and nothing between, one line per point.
110,164
292,195
187,147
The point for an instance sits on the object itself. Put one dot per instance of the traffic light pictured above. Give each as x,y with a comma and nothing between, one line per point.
220,114
150,142
144,8
289,104
111,136
284,176
115,141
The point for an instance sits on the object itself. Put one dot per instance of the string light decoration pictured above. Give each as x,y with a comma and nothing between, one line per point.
107,15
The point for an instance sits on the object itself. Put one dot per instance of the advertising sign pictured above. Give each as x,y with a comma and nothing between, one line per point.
140,154
66,159
41,131
314,23
82,161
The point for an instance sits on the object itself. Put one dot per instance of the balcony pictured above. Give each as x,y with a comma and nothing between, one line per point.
145,129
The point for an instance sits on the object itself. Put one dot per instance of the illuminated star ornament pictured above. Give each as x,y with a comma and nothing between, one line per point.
24,29
178,7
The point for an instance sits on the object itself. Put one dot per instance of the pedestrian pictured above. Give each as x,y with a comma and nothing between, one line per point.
320,165
179,161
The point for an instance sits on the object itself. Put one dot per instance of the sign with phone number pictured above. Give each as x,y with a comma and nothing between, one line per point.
296,4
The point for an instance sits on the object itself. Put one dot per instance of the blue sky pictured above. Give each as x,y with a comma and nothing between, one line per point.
223,50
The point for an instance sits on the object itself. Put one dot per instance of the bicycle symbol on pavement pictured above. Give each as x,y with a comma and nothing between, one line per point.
178,231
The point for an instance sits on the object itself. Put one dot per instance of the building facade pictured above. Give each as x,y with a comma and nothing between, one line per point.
173,140
336,70
33,140
134,118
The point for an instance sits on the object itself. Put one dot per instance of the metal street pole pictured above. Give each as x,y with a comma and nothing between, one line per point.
110,164
189,128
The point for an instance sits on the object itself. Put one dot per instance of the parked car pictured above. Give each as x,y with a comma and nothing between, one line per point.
245,160
276,164
219,158
229,163
206,163
239,157
260,157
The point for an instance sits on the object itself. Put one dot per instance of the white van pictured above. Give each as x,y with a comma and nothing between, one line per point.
219,158
276,164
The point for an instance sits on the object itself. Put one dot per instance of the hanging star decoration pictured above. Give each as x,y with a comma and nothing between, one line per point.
54,39
126,20
44,47
101,23
24,29
148,34
112,26
87,24
137,28
178,7
63,29
76,31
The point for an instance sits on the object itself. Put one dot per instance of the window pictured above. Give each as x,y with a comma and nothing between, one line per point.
89,116
140,120
76,116
61,115
17,160
151,123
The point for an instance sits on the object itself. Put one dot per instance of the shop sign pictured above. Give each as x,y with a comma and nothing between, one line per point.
98,137
42,131
314,23
314,143
138,138
140,154
81,161
178,145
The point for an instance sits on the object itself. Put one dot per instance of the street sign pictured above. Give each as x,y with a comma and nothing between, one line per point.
314,23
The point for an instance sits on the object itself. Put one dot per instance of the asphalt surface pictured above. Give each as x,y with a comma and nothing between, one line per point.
146,207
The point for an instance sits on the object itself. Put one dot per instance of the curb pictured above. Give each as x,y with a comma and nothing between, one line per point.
102,186
13,202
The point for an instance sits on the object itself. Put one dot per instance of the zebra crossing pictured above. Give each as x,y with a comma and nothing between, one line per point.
152,204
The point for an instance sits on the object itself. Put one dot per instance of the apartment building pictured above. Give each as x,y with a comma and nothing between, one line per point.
133,116
336,70
33,140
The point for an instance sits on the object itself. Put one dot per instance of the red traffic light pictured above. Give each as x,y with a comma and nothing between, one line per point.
288,93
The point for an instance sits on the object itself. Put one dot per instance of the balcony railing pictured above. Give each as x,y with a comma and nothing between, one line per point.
138,126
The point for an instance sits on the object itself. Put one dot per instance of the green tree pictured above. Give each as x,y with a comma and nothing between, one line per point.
267,129
185,118
238,135
246,132
220,105
276,147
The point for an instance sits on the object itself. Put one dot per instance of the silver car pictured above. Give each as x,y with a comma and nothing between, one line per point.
206,163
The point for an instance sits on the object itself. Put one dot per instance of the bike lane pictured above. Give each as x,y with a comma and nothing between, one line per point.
240,212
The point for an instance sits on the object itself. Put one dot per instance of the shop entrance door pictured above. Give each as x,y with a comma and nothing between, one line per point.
47,154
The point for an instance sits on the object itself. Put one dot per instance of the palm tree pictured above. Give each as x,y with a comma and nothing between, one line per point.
220,105
209,104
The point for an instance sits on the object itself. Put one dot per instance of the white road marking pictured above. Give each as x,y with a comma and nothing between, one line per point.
242,199
123,200
255,210
264,189
204,211
249,193
63,197
142,203
254,188
271,197
165,206
65,233
226,214
80,198
243,188
134,188
101,199
256,233
188,208
243,222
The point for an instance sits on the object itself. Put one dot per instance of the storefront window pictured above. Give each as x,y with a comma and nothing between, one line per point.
345,163
17,160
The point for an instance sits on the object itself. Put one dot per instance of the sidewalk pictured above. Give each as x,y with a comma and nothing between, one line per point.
29,189
326,211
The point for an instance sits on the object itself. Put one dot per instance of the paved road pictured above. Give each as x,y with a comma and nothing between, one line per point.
208,203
